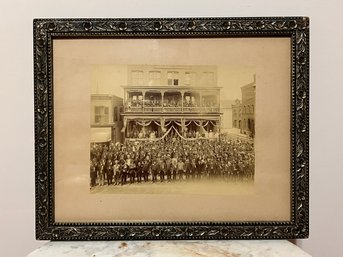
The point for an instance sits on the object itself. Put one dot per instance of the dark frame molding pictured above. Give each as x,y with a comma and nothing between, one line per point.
45,30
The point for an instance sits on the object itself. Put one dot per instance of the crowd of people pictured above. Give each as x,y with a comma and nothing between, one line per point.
171,159
172,101
169,101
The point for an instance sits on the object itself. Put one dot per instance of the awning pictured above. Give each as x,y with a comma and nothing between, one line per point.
100,135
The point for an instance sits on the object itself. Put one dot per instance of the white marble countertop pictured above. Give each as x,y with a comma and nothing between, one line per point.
234,248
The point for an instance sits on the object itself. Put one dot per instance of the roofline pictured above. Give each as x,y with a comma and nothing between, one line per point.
106,95
169,87
252,83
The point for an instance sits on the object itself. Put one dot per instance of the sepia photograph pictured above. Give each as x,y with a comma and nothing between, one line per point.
171,128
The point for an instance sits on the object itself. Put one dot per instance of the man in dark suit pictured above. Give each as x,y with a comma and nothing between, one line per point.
132,171
187,168
123,174
146,170
93,174
139,171
168,168
154,171
109,172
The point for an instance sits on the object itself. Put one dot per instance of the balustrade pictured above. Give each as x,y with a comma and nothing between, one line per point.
148,109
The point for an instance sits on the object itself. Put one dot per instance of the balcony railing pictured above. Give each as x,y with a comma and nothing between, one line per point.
164,109
172,109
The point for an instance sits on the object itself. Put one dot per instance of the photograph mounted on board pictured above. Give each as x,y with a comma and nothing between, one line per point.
155,122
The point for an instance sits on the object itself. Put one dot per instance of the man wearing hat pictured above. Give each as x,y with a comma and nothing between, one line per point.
154,171
116,172
161,168
93,174
180,168
139,171
146,170
109,172
168,168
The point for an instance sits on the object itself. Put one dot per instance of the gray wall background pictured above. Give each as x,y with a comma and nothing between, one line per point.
16,104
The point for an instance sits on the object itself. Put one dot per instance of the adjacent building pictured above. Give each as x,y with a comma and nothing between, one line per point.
106,121
237,114
243,112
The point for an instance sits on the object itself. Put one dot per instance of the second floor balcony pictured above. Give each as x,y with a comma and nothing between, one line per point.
184,100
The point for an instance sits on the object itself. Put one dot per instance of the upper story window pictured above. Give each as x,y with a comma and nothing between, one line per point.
137,78
173,78
189,78
154,78
208,78
101,114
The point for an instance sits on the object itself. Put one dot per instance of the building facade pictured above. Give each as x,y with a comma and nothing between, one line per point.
177,99
237,114
243,112
106,121
248,108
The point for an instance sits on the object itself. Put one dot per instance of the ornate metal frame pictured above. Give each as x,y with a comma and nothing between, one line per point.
45,30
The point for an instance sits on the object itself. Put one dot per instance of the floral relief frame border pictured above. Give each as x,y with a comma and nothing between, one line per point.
44,30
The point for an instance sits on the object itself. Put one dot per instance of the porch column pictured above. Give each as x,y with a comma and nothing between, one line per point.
124,126
162,121
125,95
143,93
182,93
162,99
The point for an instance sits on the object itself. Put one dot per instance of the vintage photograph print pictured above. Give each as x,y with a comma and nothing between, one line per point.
171,128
